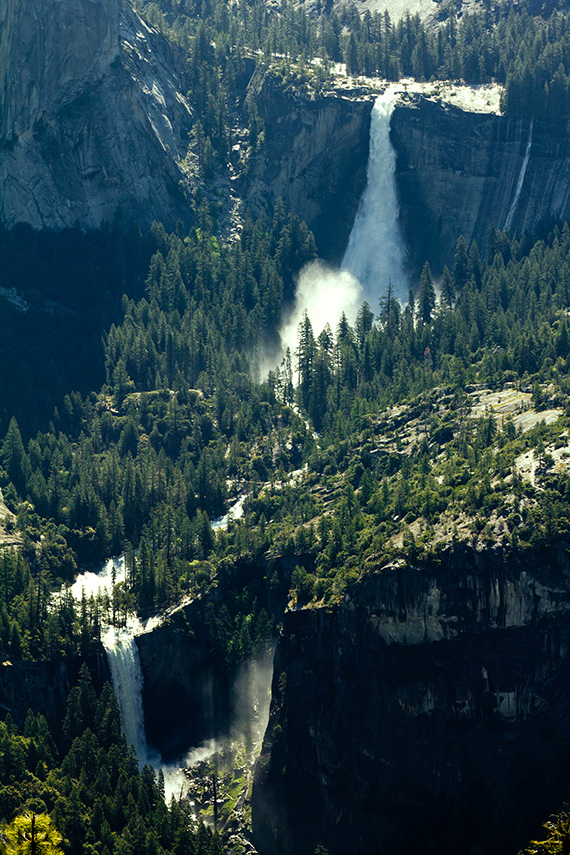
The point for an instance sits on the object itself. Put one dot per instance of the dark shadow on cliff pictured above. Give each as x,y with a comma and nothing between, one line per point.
428,713
61,292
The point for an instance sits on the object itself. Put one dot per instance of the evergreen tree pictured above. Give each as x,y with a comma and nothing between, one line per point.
426,295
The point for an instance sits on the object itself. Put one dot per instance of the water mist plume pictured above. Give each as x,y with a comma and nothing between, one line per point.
325,294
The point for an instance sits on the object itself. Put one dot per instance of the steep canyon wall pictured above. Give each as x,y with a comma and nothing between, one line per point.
314,157
458,172
430,711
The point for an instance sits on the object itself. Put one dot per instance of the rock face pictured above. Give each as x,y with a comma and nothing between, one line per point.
314,157
458,172
93,122
428,712
187,688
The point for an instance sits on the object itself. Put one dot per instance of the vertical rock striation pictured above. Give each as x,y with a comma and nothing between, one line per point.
314,157
47,50
459,171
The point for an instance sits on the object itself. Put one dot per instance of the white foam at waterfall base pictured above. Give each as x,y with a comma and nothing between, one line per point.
324,293
102,581
375,253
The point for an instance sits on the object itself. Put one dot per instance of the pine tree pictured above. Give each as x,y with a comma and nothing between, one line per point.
32,834
426,295
306,349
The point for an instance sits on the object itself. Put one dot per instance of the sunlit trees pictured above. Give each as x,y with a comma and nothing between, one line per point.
32,834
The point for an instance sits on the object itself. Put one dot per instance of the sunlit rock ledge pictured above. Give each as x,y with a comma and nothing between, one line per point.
469,98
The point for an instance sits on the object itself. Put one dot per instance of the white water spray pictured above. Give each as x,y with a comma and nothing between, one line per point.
375,252
251,690
126,677
520,182
325,294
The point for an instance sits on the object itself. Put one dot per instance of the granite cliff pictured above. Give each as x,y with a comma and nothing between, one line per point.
461,165
429,711
458,171
43,686
93,120
95,124
187,687
314,157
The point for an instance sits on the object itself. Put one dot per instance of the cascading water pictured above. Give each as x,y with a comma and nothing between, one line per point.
126,677
520,182
375,253
125,667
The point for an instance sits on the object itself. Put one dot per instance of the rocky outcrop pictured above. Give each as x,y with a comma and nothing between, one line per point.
314,157
93,121
430,711
198,682
460,171
186,689
47,49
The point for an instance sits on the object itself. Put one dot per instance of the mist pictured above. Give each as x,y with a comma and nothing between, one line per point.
324,293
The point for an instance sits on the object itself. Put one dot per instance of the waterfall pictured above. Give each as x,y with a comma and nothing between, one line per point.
520,182
127,679
126,672
122,653
375,253
126,676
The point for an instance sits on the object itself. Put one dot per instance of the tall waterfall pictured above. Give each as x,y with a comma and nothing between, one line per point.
520,182
126,676
375,252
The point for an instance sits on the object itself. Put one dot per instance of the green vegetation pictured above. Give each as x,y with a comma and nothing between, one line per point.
382,450
505,43
180,427
32,834
557,840
83,776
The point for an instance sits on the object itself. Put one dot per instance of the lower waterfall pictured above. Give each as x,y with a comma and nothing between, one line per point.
125,669
375,252
250,690
126,677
